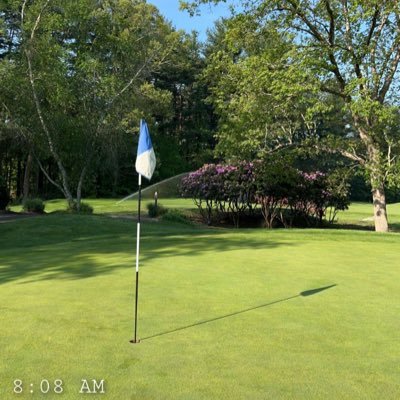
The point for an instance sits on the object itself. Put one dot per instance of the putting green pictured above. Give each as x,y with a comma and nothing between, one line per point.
221,315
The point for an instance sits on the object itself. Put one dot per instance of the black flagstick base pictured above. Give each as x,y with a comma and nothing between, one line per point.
136,339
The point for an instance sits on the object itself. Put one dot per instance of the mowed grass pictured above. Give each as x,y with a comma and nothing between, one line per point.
361,215
115,206
358,215
220,315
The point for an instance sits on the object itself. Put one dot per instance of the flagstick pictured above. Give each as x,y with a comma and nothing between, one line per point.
135,340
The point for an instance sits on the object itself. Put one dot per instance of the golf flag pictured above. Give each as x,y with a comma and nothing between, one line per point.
146,159
145,165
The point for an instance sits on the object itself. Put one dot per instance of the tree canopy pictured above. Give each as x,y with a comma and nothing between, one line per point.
352,49
78,76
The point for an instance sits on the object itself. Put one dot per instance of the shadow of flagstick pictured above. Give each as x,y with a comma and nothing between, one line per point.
305,293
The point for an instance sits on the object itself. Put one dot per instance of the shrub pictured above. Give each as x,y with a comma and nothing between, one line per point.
318,192
204,186
284,194
4,195
176,216
155,210
219,189
275,183
84,208
338,187
34,205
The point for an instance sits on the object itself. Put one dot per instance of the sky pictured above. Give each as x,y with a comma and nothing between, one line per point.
182,20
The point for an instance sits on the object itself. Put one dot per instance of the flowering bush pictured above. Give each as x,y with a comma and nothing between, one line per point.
219,189
276,183
281,192
204,187
315,193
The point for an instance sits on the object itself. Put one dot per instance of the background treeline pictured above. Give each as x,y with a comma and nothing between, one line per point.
77,76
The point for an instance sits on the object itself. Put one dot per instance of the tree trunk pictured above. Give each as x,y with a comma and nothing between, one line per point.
375,164
378,189
380,215
64,176
27,177
115,176
19,178
79,189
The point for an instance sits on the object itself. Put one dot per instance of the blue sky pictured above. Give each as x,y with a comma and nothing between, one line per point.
182,19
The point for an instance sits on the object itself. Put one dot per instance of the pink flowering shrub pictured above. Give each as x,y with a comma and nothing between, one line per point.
282,193
316,193
218,189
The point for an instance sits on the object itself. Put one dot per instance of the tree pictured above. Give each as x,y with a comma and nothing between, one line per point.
187,137
264,100
353,48
81,77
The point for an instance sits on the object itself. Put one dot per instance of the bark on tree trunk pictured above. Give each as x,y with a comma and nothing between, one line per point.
64,177
19,178
79,188
375,163
378,189
27,177
380,215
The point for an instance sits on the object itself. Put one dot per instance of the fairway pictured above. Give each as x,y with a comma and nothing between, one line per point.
220,313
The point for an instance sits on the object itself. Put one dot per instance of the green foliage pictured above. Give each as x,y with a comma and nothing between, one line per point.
346,49
34,205
82,208
177,216
97,68
88,67
185,141
155,211
260,89
277,187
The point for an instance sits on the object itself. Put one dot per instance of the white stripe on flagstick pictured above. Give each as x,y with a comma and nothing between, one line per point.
137,246
138,229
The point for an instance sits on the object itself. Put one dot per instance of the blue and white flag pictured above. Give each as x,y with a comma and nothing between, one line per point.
146,159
